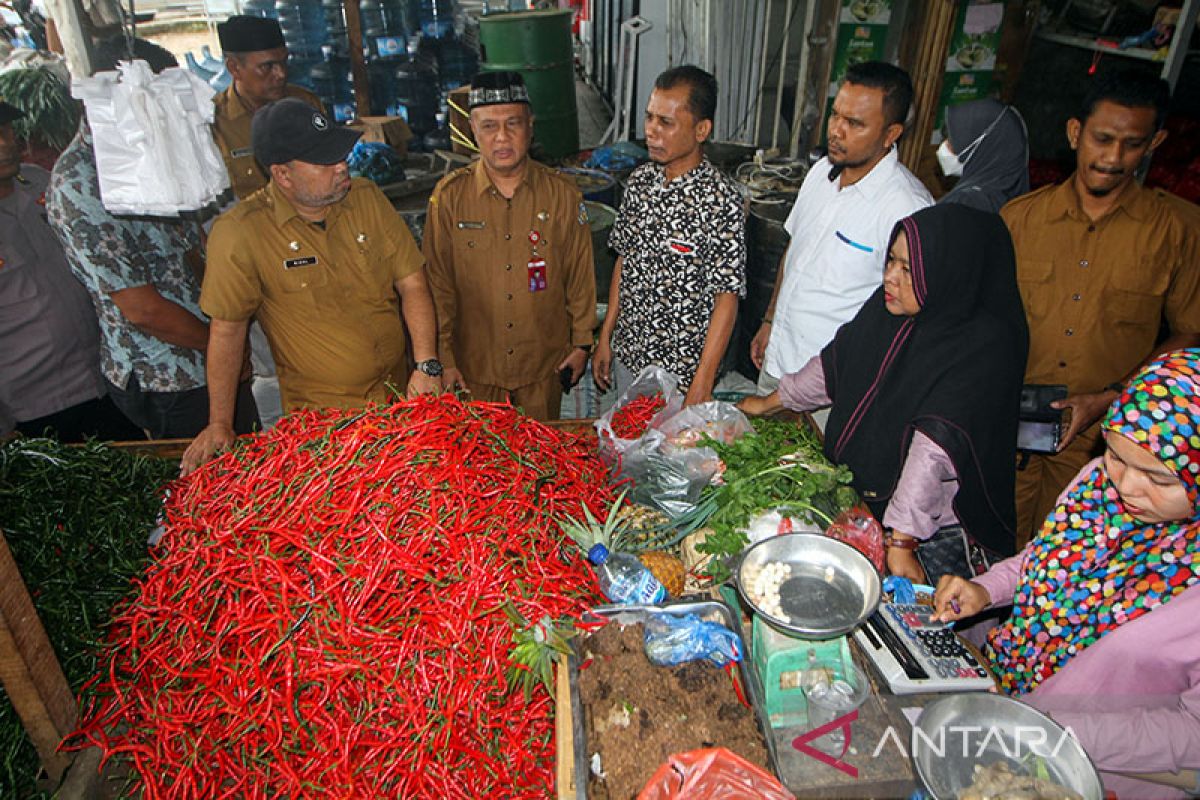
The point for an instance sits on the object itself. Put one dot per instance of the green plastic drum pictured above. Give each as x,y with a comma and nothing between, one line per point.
537,44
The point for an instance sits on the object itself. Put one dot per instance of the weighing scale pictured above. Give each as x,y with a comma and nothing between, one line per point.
833,591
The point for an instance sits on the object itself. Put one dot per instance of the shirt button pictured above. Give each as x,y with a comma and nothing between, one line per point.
1091,228
508,267
507,236
508,296
510,351
470,244
1070,331
1077,297
1062,365
1083,263
508,324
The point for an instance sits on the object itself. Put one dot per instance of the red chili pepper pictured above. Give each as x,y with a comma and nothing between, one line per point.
324,614
631,420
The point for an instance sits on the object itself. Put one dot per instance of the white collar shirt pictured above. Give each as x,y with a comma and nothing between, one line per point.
835,258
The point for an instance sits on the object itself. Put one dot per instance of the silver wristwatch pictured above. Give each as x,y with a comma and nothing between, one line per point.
431,367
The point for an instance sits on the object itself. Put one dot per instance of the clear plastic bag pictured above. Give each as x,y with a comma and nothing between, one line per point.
677,639
666,466
712,774
652,380
715,419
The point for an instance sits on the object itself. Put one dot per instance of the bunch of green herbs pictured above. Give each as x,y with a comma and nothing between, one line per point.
779,466
76,519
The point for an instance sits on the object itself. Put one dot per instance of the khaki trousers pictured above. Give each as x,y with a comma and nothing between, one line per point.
542,400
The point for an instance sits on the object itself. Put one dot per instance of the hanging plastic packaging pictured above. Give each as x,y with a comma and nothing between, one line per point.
155,154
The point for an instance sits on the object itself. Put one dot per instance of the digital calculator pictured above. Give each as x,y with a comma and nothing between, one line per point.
915,654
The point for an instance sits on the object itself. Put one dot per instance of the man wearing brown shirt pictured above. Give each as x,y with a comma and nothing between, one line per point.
1102,263
256,57
509,256
326,265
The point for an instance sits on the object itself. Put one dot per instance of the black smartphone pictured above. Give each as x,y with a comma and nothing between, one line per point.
564,377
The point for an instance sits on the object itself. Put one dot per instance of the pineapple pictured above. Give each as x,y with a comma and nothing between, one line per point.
627,530
667,568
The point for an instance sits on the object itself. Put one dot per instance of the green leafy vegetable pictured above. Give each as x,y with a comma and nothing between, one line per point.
76,520
780,465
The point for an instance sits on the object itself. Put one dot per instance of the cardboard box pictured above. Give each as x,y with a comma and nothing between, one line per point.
392,131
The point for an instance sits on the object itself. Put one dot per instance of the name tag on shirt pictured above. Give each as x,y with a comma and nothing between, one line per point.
306,261
242,152
470,225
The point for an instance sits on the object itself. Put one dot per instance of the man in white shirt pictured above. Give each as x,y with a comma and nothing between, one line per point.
841,222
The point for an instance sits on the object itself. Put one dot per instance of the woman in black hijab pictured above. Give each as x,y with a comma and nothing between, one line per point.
925,383
988,147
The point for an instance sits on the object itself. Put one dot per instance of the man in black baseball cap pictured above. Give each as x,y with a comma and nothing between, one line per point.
325,264
256,57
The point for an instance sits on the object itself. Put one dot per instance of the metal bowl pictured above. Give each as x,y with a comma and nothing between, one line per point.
831,589
958,732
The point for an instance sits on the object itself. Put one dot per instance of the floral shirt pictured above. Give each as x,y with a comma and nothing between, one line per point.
108,254
683,243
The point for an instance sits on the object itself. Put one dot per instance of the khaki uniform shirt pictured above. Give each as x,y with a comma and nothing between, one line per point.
492,325
325,297
231,131
1096,292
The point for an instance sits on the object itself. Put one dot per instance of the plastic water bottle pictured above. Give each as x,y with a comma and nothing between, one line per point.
623,579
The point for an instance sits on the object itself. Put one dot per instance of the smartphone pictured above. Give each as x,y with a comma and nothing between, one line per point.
564,378
1038,436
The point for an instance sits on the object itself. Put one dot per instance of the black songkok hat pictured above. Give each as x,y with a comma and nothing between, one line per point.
243,34
496,88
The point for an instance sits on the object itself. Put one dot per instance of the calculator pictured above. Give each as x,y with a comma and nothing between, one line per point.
915,654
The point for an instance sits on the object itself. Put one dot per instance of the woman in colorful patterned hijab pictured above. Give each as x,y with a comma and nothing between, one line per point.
1121,543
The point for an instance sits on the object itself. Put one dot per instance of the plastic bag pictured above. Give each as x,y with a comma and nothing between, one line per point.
154,151
715,419
712,774
858,528
651,380
672,640
771,522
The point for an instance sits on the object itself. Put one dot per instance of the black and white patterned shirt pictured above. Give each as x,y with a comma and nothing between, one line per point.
683,243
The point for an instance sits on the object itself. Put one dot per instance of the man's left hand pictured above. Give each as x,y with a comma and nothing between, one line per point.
1085,410
577,361
420,383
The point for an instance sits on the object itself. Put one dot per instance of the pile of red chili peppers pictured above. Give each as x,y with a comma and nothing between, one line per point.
631,420
324,616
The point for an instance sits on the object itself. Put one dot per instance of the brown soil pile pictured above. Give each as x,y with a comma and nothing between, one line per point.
637,714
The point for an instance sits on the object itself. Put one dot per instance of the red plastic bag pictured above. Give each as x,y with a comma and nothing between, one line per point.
712,774
858,528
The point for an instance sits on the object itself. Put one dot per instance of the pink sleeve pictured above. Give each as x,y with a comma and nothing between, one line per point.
924,494
1001,580
1148,739
804,390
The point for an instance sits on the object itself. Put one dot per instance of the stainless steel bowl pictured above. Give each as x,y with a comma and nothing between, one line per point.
958,732
831,589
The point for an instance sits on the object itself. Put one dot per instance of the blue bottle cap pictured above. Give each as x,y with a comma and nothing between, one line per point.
598,554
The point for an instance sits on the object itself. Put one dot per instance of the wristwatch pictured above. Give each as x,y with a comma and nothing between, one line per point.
431,367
